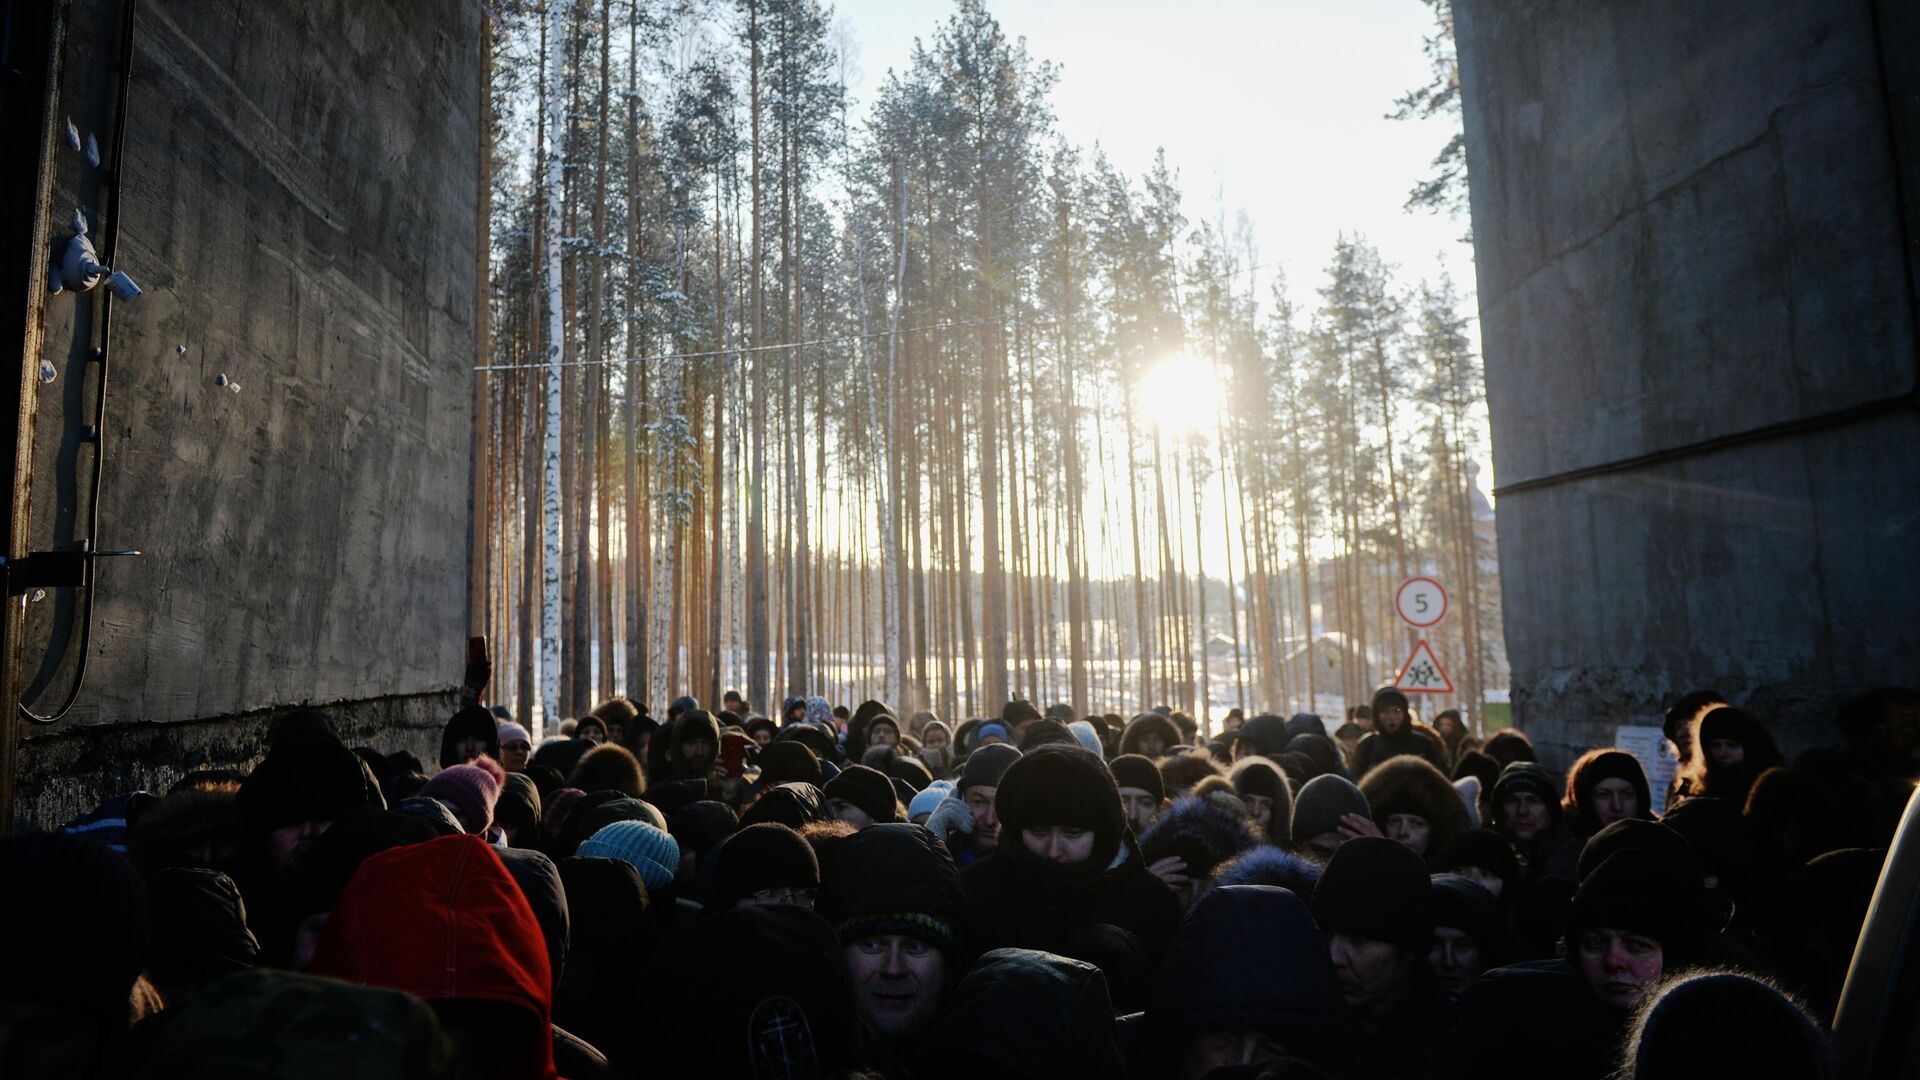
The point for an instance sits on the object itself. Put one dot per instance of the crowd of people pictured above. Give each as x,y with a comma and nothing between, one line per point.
828,892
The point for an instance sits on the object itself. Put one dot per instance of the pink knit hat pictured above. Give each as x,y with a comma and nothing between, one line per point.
470,790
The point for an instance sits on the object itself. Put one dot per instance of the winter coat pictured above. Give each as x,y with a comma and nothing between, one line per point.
1020,1013
1411,1039
734,994
445,921
1017,899
1247,957
1531,1020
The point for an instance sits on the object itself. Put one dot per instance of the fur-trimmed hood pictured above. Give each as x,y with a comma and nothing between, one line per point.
1411,785
1269,865
1147,726
1201,832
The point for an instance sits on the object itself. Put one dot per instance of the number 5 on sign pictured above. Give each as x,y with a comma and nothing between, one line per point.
1421,602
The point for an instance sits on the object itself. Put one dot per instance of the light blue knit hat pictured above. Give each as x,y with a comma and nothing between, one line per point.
1088,737
649,850
924,802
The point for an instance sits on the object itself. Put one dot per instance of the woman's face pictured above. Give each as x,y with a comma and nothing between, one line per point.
1262,807
1486,879
936,739
763,736
1614,800
514,755
1409,829
1725,752
592,733
1061,844
470,749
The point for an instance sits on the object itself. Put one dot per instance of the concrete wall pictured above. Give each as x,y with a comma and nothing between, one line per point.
1694,241
301,207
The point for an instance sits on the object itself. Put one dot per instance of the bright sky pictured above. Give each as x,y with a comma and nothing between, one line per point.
1275,107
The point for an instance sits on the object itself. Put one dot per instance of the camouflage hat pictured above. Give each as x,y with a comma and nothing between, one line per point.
282,1024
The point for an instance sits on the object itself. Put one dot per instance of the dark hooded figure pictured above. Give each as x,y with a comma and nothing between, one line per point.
471,732
758,992
1261,785
200,931
1470,933
1064,860
1024,1014
1509,746
766,863
1605,786
1731,748
82,931
1150,735
1322,752
1413,803
1246,980
793,805
693,746
1526,810
1485,858
613,936
894,898
863,717
1394,734
1375,905
1265,736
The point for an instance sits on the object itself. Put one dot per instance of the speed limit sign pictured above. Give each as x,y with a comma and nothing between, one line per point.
1421,601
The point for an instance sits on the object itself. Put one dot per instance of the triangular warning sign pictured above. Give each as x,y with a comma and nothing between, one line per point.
1422,673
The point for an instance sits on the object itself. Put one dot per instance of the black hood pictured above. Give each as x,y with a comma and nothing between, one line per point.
1027,1014
1247,956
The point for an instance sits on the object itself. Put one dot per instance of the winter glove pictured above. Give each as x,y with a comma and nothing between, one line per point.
952,816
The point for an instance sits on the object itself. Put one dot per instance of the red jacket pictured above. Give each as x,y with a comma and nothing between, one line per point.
441,920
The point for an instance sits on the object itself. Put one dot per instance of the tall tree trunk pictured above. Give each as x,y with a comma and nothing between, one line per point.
556,336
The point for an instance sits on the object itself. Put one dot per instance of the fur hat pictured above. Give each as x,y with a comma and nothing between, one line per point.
1411,785
867,788
1376,888
1183,769
792,805
1268,865
1146,727
1200,833
1322,803
609,767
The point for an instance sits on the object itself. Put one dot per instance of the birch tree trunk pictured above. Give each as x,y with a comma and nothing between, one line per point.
556,337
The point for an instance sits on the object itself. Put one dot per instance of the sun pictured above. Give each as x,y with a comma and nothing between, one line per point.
1180,395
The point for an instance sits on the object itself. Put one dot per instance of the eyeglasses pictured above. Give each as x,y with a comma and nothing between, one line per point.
783,895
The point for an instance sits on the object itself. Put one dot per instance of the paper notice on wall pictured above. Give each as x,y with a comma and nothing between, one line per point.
1649,745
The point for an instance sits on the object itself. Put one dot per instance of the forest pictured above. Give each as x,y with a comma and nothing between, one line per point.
922,399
